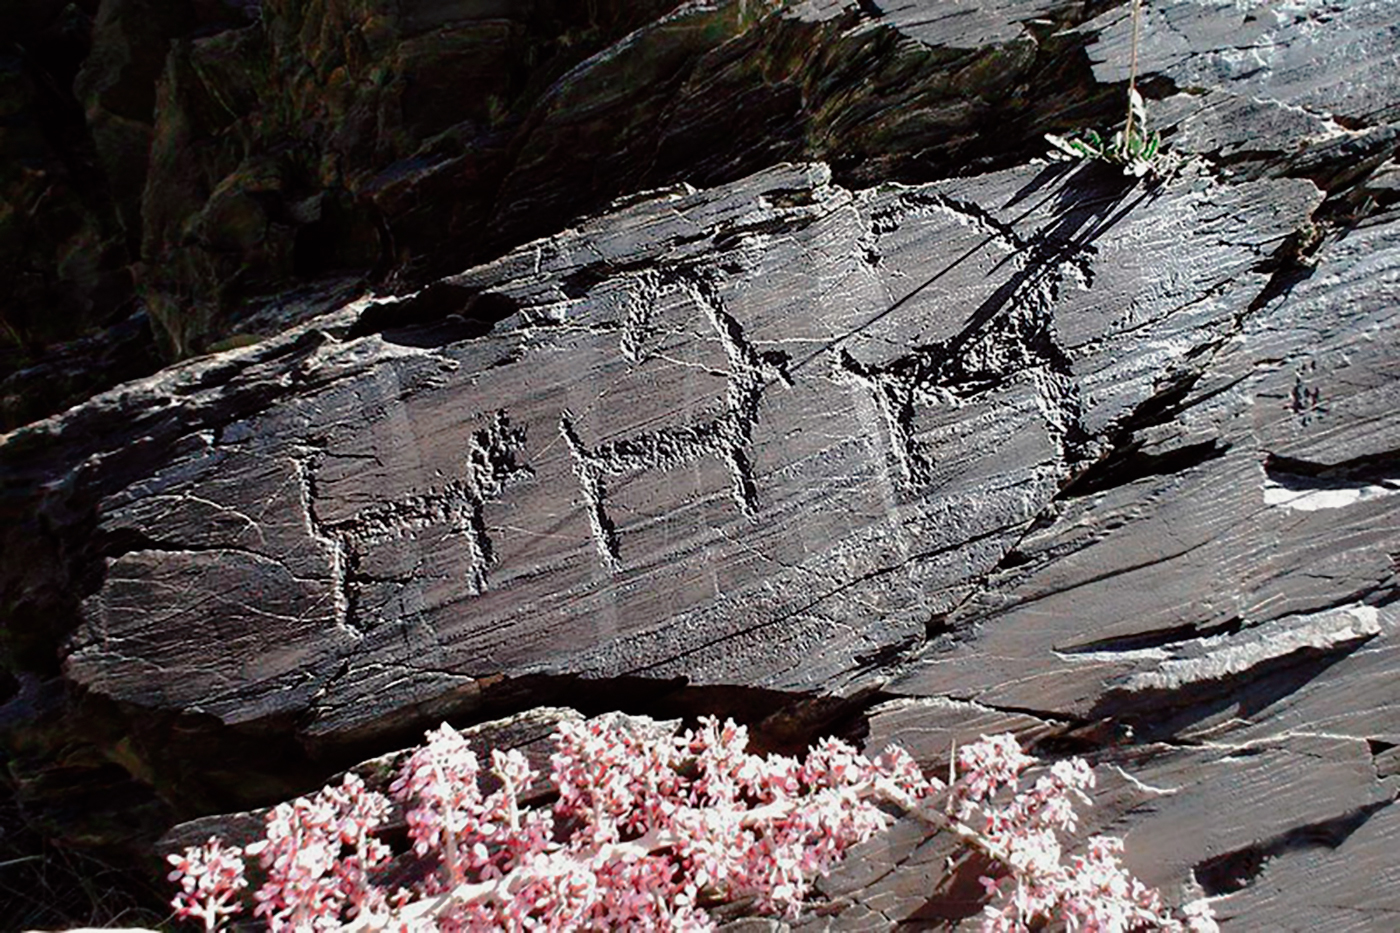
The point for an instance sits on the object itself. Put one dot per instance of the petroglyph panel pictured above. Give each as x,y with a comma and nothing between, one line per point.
758,435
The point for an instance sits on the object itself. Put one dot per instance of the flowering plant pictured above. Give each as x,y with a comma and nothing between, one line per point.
648,829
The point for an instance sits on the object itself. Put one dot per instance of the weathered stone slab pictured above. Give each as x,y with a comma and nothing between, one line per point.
1324,58
1282,457
960,24
1107,463
1225,581
1306,89
702,448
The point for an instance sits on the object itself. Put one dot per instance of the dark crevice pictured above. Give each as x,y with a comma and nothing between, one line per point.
1385,757
1012,559
351,585
578,283
731,236
1158,638
1069,735
1236,870
1340,167
1160,714
1130,463
1302,475
1288,268
114,543
187,752
1161,407
1233,871
1086,739
887,654
465,311
778,721
1355,124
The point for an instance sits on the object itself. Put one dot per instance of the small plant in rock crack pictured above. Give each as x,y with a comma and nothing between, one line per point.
650,829
1138,151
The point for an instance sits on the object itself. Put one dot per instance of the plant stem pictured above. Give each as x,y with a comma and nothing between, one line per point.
1132,72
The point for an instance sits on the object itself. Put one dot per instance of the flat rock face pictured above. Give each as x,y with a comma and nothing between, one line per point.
723,439
1307,56
1114,464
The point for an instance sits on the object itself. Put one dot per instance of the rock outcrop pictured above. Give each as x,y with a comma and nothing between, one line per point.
834,408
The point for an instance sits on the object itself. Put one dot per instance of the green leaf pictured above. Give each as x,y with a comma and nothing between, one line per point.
1132,146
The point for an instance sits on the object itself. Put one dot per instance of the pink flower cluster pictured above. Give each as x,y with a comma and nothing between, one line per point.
320,853
1093,891
648,829
211,879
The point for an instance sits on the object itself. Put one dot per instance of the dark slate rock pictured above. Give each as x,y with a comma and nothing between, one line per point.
1307,55
962,24
432,515
697,450
1108,463
1259,630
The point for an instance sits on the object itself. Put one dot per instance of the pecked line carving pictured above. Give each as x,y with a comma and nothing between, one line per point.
727,437
492,464
964,367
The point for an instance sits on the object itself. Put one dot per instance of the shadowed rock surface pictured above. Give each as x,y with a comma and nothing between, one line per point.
249,163
845,415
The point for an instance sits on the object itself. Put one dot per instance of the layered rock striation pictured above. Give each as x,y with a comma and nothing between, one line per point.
838,420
